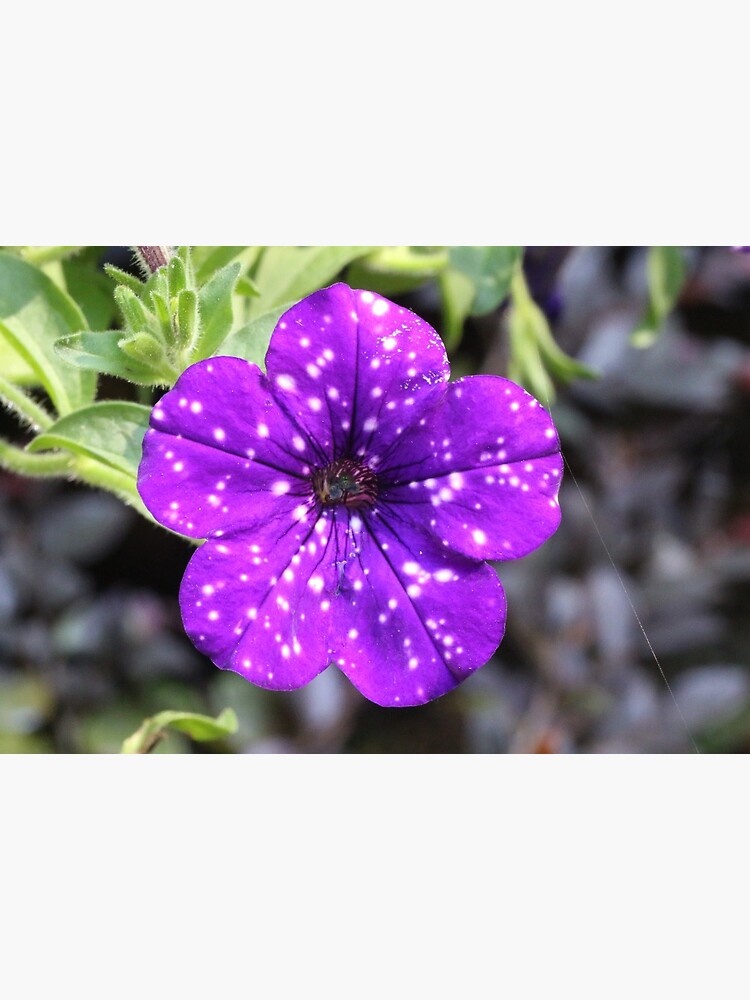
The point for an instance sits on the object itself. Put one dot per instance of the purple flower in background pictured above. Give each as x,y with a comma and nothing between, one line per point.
349,499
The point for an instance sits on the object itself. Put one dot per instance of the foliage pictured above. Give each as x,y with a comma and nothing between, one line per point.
84,347
204,301
201,728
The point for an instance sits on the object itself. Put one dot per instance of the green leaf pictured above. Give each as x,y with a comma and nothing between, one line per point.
13,366
163,314
110,431
534,355
251,341
209,260
215,309
457,291
392,271
288,274
666,272
45,255
421,262
34,314
123,278
176,276
187,316
490,269
91,290
388,285
199,727
100,352
145,350
247,287
476,281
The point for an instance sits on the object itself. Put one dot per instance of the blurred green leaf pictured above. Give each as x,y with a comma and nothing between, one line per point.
535,357
110,432
475,282
666,271
44,255
288,274
247,287
199,727
457,291
13,366
394,270
91,290
490,269
209,260
215,309
34,314
251,341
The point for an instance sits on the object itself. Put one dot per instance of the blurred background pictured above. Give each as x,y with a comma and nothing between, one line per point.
643,588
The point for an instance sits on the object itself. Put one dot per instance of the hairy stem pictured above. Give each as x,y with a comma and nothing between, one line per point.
25,464
94,473
24,405
79,468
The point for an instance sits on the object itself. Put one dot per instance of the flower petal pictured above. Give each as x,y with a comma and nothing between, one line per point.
481,470
410,620
350,367
249,602
220,450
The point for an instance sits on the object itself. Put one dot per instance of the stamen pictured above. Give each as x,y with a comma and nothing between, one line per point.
346,482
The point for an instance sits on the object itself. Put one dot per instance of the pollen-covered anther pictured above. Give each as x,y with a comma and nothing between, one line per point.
347,482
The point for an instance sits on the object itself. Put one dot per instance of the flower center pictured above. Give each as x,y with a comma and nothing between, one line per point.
347,482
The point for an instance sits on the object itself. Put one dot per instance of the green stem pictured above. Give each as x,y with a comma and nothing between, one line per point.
519,290
94,473
24,405
79,467
407,260
25,464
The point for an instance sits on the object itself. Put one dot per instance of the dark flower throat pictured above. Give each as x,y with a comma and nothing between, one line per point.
346,482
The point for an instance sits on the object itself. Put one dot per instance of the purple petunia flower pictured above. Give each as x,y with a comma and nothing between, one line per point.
349,499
